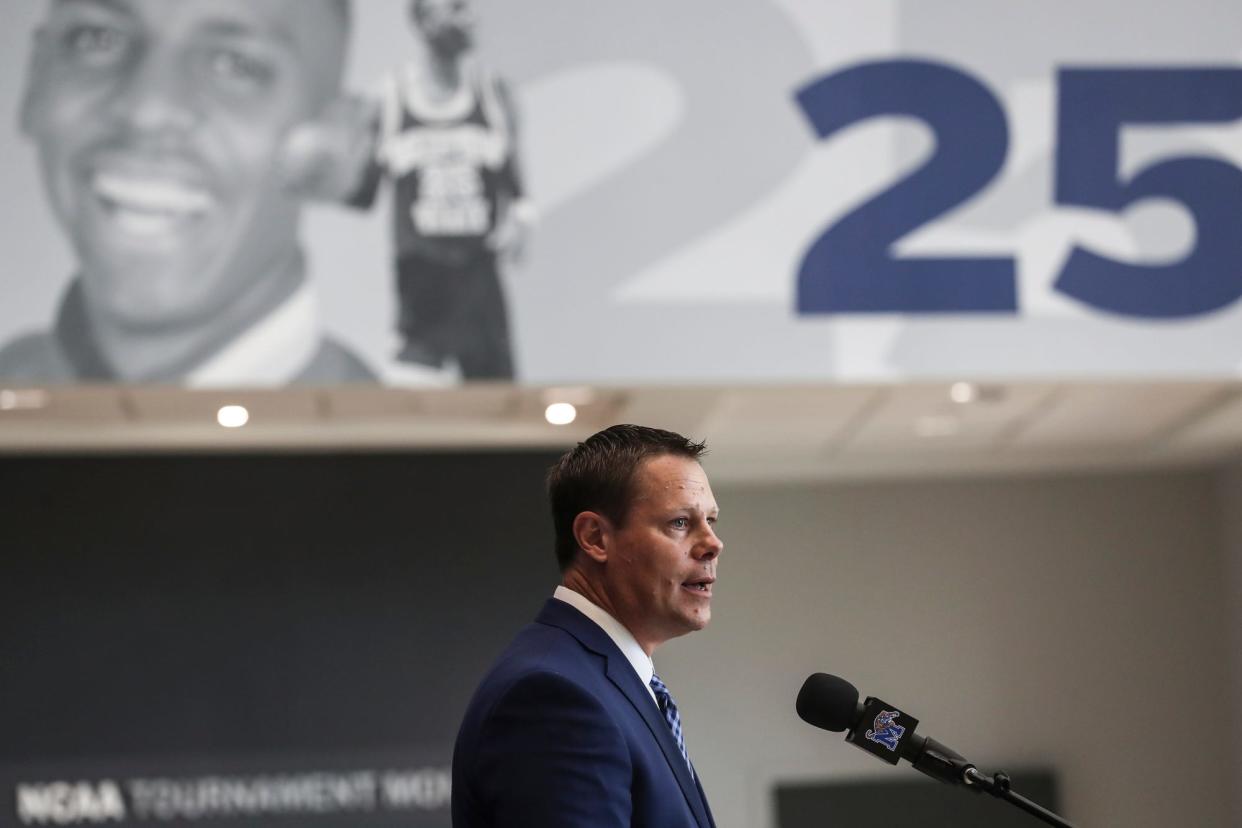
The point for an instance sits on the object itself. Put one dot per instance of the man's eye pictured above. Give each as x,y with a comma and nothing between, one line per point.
96,45
680,523
235,67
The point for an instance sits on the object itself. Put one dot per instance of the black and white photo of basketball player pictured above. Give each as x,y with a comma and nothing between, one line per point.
160,126
446,137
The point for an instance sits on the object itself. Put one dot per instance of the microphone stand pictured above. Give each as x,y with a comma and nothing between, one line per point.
947,765
998,786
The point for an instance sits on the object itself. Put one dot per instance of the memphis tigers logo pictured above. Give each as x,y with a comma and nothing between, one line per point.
885,731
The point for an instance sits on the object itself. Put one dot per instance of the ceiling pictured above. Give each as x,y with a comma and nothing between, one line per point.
763,433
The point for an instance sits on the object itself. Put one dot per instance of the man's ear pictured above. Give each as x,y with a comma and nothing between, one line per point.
592,531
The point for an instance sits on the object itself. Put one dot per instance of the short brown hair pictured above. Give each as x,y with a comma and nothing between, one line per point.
597,475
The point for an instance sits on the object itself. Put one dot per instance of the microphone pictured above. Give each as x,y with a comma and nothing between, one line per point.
887,732
879,728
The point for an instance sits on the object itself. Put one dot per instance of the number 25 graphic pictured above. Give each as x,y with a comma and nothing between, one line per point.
850,268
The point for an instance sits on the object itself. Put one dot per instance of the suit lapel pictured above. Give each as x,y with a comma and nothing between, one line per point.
621,673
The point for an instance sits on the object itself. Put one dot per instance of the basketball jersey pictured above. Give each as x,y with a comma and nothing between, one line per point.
448,161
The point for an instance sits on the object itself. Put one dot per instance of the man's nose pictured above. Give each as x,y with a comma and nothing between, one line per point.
710,546
157,100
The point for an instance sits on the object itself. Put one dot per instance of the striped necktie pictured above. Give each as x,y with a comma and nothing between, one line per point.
669,708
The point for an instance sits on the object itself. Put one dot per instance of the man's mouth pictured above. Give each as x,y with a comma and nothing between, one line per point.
700,586
150,206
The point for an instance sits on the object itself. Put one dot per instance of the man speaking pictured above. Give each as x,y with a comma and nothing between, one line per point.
571,726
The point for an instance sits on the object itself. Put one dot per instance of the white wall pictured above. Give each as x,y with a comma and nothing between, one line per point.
1069,622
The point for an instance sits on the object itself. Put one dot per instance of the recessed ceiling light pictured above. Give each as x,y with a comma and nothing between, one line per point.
963,392
560,413
233,416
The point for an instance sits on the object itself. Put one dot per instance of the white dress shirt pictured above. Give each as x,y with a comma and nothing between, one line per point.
271,353
638,658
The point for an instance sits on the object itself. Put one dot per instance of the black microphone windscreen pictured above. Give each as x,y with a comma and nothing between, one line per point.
828,702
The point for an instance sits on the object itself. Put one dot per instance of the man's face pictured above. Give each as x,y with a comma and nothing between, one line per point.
448,25
158,124
662,562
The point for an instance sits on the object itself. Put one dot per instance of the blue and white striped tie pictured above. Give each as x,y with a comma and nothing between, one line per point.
669,708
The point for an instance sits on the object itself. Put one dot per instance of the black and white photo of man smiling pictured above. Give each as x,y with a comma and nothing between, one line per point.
160,126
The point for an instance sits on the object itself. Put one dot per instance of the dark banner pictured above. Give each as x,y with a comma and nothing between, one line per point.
235,641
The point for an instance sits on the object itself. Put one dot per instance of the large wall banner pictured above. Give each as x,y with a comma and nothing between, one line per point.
219,192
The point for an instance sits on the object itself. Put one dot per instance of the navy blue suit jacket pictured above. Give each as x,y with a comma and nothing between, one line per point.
562,732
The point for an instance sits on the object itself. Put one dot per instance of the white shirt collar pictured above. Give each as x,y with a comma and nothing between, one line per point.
623,638
272,352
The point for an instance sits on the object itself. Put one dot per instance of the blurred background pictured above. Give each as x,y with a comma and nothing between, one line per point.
949,288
